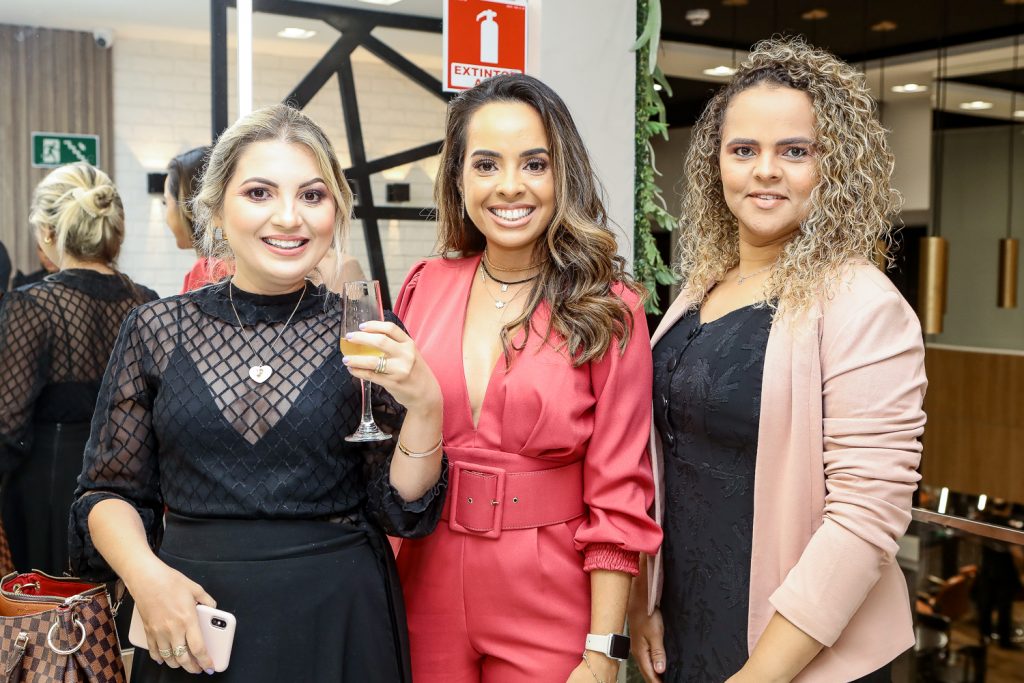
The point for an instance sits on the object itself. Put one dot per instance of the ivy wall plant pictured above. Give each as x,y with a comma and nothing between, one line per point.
649,208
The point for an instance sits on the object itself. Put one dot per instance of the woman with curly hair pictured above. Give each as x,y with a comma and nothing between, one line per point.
789,378
538,339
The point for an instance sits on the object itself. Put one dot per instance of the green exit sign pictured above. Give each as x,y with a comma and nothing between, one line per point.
50,150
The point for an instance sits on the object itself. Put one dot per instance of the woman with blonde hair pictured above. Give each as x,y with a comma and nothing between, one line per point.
789,379
228,406
538,338
55,340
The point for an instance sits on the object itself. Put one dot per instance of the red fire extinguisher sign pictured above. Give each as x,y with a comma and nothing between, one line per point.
482,38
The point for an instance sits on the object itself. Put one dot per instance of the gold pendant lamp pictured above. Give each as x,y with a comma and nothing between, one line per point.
1009,246
934,265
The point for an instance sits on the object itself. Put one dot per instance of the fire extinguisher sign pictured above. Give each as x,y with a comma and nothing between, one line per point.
483,38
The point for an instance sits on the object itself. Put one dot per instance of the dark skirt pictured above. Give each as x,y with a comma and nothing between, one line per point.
37,497
313,600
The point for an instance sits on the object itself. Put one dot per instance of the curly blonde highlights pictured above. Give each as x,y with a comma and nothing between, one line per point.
850,207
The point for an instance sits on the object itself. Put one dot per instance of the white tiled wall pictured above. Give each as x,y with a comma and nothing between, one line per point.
162,107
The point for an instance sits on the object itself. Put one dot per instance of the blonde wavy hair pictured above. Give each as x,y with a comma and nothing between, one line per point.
578,254
850,207
276,122
79,205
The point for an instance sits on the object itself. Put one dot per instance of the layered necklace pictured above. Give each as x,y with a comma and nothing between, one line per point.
259,371
485,274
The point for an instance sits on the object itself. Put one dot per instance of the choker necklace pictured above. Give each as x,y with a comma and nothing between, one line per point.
505,283
740,279
260,372
498,303
509,270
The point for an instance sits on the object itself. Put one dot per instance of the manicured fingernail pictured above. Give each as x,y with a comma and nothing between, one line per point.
659,667
345,360
209,671
362,326
348,335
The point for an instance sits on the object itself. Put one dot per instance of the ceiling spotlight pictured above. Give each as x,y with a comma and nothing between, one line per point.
296,33
721,71
815,14
697,17
884,26
976,105
381,2
910,87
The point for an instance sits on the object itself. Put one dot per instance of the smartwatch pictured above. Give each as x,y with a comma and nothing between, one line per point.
614,645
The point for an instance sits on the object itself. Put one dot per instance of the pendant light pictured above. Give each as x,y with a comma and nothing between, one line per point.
934,262
1009,246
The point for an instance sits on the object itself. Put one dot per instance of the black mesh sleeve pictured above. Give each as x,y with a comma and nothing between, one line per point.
121,455
24,350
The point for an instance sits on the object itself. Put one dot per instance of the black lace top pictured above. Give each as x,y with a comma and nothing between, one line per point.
179,422
55,340
707,394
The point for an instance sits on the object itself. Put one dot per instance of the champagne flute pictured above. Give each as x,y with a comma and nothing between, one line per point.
362,304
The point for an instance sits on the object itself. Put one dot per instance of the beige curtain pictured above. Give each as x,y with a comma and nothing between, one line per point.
52,81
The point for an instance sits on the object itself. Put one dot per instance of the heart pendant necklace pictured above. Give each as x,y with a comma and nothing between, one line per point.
259,371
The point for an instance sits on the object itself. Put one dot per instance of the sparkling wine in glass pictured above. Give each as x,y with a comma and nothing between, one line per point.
361,301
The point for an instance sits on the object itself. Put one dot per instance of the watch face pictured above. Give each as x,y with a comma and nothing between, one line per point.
619,647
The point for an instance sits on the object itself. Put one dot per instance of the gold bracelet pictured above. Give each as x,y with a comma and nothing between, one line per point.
419,454
590,669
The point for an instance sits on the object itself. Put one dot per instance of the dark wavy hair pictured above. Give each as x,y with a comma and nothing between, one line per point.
578,254
184,173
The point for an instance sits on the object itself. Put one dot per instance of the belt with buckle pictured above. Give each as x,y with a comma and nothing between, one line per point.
484,501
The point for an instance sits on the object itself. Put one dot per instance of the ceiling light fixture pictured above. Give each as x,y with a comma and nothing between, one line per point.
884,26
381,2
976,105
1019,113
296,33
815,14
721,71
910,87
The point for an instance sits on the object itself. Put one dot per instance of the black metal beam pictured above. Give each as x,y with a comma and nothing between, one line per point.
407,157
396,213
218,67
345,18
356,150
414,73
322,71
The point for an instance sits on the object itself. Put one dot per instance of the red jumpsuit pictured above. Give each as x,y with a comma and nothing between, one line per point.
553,482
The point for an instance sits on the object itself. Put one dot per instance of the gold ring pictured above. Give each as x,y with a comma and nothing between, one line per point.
180,650
382,365
165,653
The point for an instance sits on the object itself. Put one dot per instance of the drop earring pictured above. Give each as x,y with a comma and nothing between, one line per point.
218,234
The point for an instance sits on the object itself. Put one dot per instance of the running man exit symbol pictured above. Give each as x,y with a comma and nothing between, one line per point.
488,37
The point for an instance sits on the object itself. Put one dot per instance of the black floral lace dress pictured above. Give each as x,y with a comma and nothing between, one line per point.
268,507
707,395
55,340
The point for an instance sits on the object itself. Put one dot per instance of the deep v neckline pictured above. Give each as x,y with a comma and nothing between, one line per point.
466,403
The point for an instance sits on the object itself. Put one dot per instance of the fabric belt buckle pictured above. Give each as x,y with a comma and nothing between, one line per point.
477,499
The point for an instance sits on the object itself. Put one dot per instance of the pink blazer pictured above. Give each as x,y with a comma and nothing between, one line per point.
837,457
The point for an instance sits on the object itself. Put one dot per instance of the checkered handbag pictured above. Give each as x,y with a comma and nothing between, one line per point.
57,630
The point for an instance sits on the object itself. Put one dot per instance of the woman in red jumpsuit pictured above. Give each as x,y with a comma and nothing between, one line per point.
538,339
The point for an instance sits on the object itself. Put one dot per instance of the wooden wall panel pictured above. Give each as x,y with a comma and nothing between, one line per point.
974,440
55,81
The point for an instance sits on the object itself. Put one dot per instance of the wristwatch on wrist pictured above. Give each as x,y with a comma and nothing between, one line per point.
614,645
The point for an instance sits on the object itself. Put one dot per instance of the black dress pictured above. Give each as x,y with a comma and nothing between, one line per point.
707,396
269,509
55,341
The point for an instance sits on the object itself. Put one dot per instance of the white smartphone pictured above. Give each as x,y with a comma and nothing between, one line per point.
216,625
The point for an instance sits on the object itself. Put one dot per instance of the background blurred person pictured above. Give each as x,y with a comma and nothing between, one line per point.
183,176
46,266
55,341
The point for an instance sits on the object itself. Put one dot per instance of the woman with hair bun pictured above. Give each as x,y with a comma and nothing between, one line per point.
788,384
538,338
55,341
